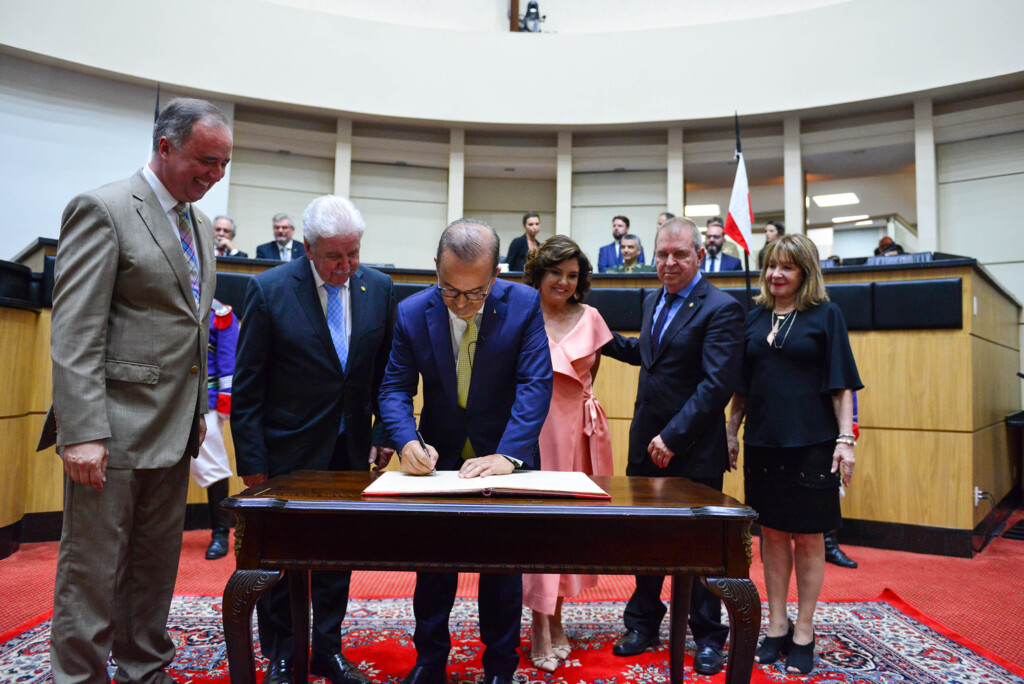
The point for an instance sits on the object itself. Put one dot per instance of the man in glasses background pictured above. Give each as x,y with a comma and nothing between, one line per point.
480,346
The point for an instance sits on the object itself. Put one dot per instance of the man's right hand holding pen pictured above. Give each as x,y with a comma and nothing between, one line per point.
418,457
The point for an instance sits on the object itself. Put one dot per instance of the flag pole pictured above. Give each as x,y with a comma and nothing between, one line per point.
746,253
156,107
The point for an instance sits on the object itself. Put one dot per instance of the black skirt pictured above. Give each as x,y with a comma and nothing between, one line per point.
791,488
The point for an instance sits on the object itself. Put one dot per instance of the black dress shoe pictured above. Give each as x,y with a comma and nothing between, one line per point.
835,555
634,643
337,669
218,547
496,679
708,661
279,672
426,675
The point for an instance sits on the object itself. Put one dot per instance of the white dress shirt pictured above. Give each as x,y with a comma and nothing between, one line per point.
346,301
458,328
167,203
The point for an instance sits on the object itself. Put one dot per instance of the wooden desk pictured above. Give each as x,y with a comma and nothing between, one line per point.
320,521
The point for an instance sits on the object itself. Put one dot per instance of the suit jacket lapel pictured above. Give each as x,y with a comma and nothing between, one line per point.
646,328
688,308
309,300
357,300
440,334
152,214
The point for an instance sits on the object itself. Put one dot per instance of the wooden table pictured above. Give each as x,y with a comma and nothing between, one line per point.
659,526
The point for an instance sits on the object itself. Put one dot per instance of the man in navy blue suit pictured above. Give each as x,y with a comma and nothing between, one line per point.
480,347
714,240
311,355
689,352
611,254
282,247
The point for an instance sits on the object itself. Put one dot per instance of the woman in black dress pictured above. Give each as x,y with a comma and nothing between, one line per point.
797,396
772,231
520,248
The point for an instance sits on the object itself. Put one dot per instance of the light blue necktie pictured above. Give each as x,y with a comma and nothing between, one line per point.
336,324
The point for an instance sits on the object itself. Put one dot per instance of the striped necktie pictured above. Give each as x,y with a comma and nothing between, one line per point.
188,246
467,350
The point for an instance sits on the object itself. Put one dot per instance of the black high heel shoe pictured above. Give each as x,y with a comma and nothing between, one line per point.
801,658
770,648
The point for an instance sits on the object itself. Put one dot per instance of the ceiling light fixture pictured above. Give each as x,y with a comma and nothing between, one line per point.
868,222
839,199
849,219
702,210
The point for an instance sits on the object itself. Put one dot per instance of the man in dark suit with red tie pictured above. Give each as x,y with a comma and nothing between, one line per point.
689,352
311,354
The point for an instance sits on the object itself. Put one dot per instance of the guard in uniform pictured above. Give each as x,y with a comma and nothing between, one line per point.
211,469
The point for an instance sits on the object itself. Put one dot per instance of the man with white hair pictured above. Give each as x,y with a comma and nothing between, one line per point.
311,355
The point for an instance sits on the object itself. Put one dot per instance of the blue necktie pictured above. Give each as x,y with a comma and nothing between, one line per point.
659,324
336,322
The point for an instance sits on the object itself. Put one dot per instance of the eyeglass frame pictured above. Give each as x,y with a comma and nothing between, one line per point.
446,292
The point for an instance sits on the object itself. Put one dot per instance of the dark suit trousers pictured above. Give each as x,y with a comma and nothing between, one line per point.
501,608
328,594
645,610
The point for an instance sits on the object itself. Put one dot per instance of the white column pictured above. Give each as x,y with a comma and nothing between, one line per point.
343,158
793,170
563,185
676,182
927,177
456,173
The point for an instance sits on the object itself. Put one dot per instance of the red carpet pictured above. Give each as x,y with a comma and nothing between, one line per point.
980,598
857,641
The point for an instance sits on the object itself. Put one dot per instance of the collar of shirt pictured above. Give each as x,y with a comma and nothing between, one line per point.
458,329
346,298
167,201
287,247
683,294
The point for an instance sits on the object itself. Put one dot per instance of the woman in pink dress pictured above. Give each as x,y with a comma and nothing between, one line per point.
575,435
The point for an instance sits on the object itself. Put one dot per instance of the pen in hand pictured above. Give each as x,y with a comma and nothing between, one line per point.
423,445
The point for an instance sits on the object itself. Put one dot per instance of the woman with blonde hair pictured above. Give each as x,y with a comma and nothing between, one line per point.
797,395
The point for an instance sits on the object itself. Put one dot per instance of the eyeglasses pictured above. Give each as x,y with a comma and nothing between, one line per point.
452,293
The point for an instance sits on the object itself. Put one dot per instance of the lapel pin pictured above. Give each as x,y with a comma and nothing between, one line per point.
691,305
362,288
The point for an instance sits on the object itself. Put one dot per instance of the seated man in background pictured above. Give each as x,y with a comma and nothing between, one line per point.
630,245
715,260
282,247
480,346
888,247
224,232
611,254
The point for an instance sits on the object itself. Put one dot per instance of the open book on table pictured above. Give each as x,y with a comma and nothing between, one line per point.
521,483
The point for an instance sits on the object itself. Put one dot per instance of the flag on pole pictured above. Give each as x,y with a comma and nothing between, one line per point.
741,213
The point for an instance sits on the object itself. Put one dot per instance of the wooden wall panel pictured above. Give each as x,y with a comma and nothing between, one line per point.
994,383
997,317
14,432
619,428
997,464
616,386
912,477
914,380
41,395
19,360
44,472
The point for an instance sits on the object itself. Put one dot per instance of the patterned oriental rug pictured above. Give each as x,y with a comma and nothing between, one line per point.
884,640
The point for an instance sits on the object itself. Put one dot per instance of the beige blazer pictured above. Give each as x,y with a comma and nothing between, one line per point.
128,344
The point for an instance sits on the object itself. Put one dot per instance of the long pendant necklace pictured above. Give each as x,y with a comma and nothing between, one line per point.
781,325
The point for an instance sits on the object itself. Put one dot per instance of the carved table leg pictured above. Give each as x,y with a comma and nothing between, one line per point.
240,594
679,615
298,590
744,606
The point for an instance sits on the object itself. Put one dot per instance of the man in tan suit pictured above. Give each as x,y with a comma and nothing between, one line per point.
135,276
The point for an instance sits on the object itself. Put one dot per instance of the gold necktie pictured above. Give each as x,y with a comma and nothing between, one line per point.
467,350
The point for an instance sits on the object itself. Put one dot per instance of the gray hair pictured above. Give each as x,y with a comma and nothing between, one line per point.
286,217
681,224
223,216
466,238
634,238
180,116
329,216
